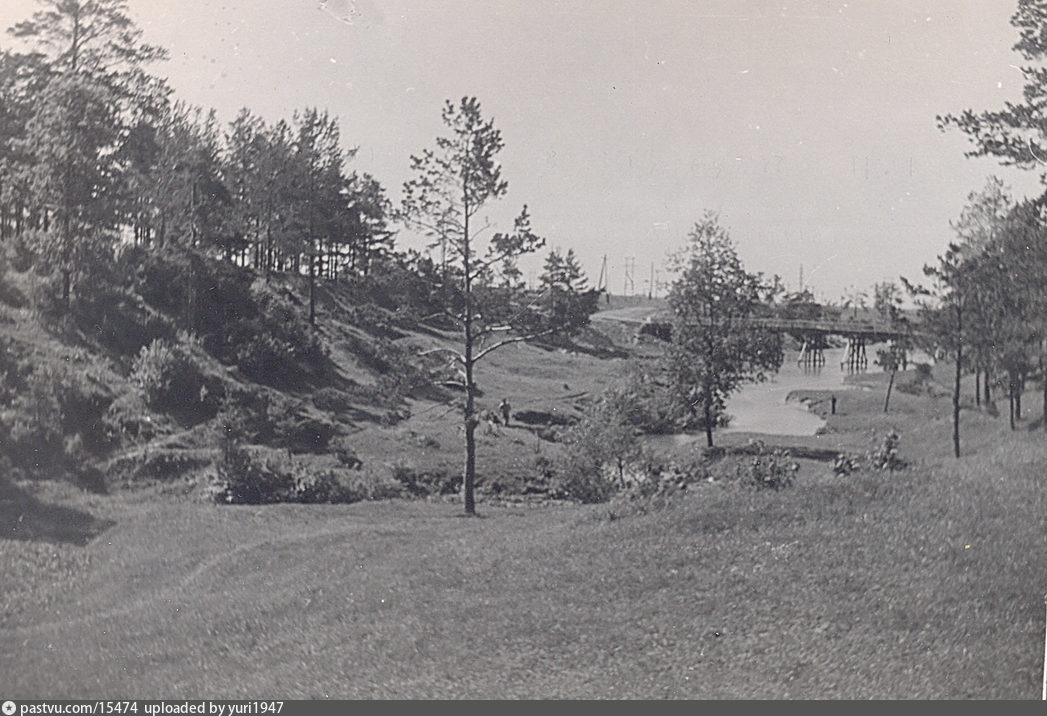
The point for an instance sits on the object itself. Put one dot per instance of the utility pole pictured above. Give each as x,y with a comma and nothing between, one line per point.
629,284
650,284
601,283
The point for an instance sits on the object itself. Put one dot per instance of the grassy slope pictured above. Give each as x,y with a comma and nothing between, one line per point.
552,381
926,583
539,379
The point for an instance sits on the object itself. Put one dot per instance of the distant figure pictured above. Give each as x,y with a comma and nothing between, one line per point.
834,404
504,408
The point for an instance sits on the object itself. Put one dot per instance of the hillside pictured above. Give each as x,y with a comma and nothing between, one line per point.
355,398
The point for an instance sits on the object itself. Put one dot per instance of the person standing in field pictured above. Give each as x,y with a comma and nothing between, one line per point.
504,408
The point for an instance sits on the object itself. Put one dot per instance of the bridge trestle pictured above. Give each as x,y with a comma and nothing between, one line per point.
812,351
855,358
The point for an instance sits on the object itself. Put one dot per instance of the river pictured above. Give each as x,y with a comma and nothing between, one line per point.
762,407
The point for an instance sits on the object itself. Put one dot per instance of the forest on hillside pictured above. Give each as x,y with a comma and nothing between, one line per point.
160,271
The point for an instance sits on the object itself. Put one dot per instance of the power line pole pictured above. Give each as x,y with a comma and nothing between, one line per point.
601,283
630,266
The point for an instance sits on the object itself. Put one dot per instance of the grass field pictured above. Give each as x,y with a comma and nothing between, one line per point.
925,583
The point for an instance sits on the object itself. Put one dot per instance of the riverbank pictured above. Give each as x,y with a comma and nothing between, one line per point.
922,583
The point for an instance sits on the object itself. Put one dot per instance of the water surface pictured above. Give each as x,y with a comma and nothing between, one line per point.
763,408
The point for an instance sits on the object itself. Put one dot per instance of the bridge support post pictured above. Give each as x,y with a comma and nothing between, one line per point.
811,353
855,358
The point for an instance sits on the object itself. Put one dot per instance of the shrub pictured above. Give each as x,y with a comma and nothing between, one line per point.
52,418
311,486
588,485
247,413
261,476
659,485
645,404
260,355
263,417
128,420
885,457
600,449
845,464
33,423
422,483
370,484
923,372
300,432
240,320
772,469
170,379
241,478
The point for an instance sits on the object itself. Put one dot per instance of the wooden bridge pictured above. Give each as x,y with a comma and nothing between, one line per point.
812,333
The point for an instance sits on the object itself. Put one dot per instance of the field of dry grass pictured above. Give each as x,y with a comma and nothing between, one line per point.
924,583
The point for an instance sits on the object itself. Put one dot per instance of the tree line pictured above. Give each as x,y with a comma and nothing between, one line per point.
94,149
985,305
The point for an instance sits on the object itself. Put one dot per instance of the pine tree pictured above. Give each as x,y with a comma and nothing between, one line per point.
451,183
69,139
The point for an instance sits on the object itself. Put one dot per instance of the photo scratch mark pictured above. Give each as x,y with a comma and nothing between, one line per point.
342,10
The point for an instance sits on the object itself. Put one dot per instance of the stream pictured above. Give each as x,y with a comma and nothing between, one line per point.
762,407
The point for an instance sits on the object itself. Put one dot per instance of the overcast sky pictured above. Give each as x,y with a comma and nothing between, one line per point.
809,125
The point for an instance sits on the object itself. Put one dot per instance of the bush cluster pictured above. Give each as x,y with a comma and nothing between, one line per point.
244,477
169,376
603,452
883,457
404,286
51,417
423,483
263,417
240,478
768,469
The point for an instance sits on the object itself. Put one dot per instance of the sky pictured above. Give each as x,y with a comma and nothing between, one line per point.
809,126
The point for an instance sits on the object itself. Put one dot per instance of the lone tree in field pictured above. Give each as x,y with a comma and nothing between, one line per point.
452,182
715,347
